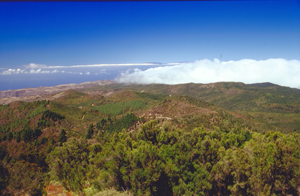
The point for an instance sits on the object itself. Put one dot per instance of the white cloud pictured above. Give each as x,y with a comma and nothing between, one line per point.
278,71
34,66
12,71
107,65
27,71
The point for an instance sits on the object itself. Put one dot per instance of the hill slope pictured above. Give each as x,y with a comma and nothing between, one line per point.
153,140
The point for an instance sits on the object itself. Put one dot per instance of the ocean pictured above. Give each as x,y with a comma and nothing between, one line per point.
52,77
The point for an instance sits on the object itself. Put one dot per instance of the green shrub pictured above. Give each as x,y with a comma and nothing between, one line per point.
119,108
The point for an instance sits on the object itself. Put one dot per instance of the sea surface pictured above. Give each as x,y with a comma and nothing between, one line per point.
53,77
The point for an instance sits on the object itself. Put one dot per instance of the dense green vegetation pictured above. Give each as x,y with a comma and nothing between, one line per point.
165,161
153,144
256,100
119,108
112,126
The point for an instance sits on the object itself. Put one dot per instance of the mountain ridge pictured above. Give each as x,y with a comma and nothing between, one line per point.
173,138
40,93
269,104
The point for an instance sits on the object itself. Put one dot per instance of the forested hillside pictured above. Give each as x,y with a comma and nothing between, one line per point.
276,106
153,140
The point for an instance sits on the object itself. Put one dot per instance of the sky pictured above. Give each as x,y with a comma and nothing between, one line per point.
51,43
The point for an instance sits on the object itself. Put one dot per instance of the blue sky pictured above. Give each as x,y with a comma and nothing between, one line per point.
85,33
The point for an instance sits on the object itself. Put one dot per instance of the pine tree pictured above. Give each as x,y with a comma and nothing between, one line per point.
62,136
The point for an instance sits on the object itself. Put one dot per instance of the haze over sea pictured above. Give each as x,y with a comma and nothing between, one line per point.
31,78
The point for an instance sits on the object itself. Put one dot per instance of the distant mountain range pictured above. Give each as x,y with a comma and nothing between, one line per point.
262,101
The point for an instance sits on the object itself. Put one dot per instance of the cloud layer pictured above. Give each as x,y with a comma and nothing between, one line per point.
278,71
27,71
95,69
33,68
